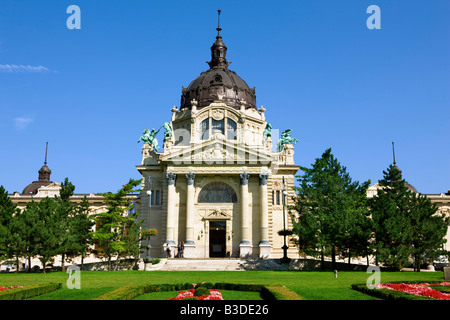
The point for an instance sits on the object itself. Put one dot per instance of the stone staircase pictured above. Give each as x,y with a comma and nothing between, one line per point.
216,264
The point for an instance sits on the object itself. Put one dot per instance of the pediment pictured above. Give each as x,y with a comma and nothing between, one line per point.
217,151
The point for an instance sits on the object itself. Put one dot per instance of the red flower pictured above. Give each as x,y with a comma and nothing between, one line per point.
421,289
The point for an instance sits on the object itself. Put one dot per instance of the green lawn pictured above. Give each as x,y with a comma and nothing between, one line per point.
311,285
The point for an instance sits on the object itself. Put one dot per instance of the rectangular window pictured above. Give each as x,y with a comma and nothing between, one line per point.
278,197
156,198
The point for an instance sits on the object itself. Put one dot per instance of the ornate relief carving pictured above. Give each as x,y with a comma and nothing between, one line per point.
217,114
216,153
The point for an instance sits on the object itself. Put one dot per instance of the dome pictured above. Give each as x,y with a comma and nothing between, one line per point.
44,180
218,80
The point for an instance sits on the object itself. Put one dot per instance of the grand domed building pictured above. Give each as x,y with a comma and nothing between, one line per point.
218,185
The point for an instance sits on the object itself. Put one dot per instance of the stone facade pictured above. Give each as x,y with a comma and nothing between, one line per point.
240,165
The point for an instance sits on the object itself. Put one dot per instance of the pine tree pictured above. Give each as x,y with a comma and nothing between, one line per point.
65,214
390,209
110,235
428,230
11,245
328,210
80,228
48,231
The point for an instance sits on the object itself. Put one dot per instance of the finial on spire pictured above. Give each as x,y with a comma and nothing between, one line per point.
393,152
218,25
46,147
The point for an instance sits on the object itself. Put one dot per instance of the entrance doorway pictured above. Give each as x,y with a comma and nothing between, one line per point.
217,239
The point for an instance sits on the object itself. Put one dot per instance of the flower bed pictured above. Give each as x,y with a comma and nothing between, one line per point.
214,294
11,287
418,289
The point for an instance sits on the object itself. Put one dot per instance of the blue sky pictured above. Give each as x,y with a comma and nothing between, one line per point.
317,69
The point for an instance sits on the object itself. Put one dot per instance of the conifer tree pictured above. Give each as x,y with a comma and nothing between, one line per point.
328,210
110,235
406,224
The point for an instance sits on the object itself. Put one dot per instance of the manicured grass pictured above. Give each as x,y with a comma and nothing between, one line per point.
311,285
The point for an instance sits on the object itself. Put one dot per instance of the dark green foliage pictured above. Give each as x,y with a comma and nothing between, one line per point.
405,223
330,214
201,292
117,233
11,245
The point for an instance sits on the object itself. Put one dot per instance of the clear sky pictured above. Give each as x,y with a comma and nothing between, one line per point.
316,67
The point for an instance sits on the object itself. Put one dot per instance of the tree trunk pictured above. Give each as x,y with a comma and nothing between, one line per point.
322,260
333,257
43,266
29,264
63,267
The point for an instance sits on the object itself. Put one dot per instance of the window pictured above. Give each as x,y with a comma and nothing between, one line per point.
156,198
217,192
218,125
204,129
278,198
231,129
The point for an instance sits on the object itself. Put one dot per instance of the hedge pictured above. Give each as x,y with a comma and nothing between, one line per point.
28,291
268,292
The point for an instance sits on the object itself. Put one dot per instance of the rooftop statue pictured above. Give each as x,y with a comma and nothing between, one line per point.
149,138
267,132
169,131
286,139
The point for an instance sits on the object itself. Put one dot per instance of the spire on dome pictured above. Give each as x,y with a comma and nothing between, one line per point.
393,154
44,172
218,50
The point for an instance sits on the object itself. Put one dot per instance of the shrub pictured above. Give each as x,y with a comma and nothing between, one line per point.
201,292
28,291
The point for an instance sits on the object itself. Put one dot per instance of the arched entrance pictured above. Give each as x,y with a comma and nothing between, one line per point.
218,200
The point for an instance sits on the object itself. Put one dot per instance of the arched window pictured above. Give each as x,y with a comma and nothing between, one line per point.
231,129
204,129
217,192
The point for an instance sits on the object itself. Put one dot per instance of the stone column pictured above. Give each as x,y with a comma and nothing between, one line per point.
245,244
264,244
190,178
170,221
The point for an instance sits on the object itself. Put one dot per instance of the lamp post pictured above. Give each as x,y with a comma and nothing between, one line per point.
285,258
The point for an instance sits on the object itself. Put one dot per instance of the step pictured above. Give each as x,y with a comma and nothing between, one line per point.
214,264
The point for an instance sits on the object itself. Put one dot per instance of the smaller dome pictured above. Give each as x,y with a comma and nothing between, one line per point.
44,180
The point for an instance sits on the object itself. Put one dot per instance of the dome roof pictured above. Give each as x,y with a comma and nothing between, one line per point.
218,81
44,180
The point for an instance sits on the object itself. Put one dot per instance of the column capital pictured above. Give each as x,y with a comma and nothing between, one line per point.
171,177
190,177
263,177
244,178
